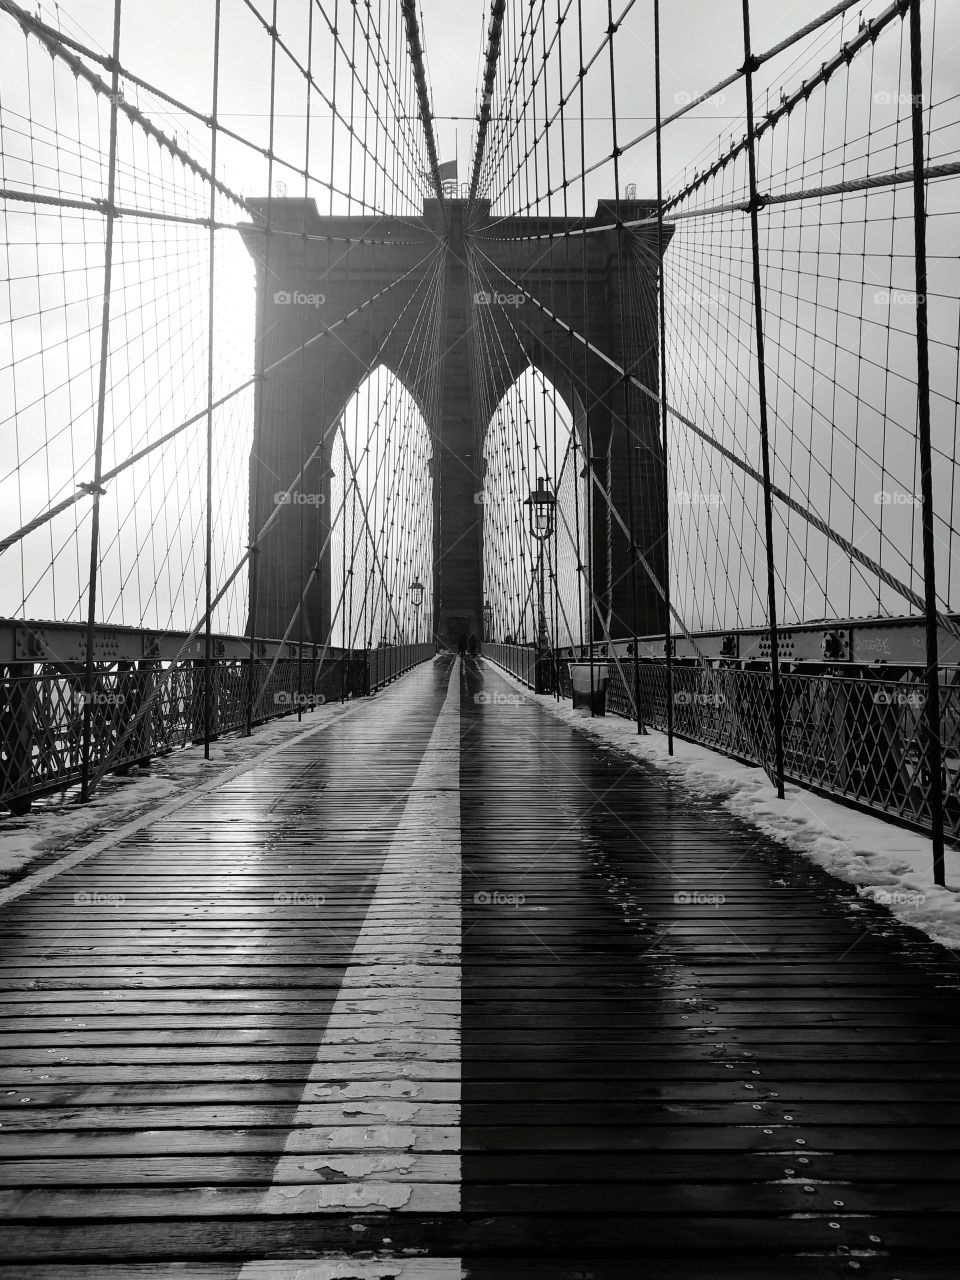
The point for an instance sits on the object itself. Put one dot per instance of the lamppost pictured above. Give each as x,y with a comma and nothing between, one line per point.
416,599
542,504
487,620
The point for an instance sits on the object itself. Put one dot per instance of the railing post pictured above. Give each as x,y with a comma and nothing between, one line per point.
934,748
749,66
96,487
17,723
254,592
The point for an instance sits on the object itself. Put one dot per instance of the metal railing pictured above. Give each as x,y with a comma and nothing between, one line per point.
385,664
519,659
854,734
140,709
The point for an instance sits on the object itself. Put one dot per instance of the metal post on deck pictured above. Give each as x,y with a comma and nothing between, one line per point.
96,486
539,679
749,66
555,593
667,638
541,507
254,550
934,746
591,558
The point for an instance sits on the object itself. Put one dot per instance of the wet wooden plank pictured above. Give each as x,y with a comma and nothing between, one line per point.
764,1239
307,1268
564,1091
645,1115
330,1267
902,1169
420,1196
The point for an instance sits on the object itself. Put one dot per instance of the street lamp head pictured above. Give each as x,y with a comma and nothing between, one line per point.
416,593
542,503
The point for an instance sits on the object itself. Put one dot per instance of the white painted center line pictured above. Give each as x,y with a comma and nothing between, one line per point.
381,1106
347,1267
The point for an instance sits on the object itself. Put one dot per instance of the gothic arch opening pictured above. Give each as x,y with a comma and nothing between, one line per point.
381,510
532,435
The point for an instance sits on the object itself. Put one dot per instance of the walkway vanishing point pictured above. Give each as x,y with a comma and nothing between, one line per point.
413,996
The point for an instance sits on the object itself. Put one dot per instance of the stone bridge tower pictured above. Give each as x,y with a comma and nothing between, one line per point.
368,269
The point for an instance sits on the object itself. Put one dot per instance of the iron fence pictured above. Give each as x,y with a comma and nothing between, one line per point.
385,664
857,735
519,659
140,709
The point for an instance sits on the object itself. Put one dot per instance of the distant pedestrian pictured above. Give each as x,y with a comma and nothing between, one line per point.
473,645
462,644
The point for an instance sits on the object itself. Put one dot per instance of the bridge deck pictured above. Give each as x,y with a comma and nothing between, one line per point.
418,990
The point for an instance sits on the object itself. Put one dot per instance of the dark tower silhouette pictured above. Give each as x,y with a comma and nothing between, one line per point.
576,281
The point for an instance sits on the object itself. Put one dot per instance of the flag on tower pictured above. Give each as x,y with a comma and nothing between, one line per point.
448,177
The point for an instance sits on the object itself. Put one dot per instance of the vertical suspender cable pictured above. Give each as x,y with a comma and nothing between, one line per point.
625,377
749,66
300,442
568,274
96,487
588,443
664,431
934,748
330,440
255,469
208,546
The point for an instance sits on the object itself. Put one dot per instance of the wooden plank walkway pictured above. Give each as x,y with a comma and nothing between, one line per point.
446,990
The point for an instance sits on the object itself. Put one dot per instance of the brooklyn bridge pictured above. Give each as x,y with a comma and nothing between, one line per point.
480,716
